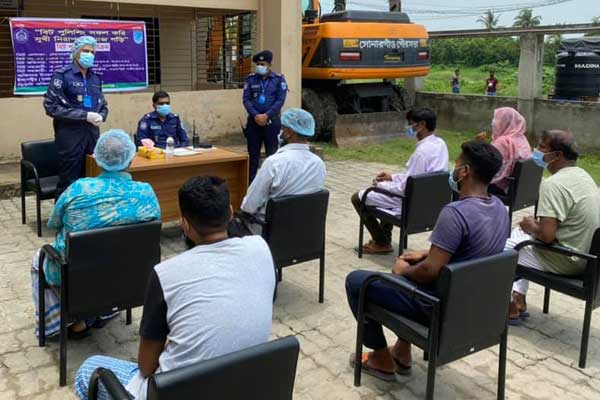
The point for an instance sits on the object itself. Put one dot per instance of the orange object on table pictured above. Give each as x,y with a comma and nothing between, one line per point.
167,175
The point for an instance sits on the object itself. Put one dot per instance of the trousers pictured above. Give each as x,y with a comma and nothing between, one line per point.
257,135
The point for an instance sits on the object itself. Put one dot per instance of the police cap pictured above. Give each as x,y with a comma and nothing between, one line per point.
264,55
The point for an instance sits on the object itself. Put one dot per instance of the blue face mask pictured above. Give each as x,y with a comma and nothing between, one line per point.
262,69
538,158
411,133
452,181
163,110
86,60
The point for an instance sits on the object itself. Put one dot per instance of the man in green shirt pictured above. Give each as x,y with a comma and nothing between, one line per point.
568,213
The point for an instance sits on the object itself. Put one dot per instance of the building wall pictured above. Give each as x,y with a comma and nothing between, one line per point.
217,111
216,116
474,113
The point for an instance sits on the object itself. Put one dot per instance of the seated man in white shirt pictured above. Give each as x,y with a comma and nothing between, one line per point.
293,170
212,300
431,155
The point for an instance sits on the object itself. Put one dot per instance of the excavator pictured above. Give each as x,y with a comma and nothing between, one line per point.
351,60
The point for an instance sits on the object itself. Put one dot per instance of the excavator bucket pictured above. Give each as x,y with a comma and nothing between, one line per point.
356,129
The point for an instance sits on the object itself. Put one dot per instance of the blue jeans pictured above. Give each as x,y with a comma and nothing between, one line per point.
456,89
490,93
386,297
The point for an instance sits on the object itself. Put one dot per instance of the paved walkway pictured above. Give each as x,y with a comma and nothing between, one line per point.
542,356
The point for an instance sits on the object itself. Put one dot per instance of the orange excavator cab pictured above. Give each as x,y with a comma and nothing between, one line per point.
350,62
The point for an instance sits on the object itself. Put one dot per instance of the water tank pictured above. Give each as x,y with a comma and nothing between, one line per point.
578,68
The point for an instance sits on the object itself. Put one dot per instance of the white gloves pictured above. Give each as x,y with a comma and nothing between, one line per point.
94,118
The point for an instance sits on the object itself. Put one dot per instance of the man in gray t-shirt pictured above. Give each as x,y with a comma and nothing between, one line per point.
474,226
214,299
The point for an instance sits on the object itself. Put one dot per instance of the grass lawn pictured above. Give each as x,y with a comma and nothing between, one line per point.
473,79
397,152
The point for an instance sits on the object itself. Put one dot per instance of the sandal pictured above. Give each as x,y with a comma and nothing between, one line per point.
369,249
374,372
78,335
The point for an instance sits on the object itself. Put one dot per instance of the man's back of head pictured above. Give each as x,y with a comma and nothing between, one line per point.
205,208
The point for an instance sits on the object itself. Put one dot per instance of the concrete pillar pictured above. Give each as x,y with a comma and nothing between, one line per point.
530,76
412,86
280,30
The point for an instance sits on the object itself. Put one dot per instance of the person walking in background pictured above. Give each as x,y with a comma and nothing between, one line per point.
491,85
456,82
75,101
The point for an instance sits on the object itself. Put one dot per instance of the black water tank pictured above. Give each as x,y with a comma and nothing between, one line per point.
578,68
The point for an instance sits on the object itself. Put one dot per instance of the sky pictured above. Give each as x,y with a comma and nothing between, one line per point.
445,15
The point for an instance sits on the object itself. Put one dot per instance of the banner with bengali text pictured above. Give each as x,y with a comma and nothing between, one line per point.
43,45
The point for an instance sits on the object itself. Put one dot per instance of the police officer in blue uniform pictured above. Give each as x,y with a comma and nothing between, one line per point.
264,95
75,101
161,123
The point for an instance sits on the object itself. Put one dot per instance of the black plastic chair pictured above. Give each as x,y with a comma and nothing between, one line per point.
583,287
423,199
524,187
105,270
294,228
39,174
265,372
469,313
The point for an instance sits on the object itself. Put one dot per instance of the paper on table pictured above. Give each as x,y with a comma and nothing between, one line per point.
182,152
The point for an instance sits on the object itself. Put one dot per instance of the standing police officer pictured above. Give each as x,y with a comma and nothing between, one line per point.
264,95
75,101
162,123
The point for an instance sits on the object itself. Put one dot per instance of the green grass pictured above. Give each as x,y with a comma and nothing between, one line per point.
397,152
473,79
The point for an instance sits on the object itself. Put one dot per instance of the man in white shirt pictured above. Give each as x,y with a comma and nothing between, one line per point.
214,299
430,155
292,170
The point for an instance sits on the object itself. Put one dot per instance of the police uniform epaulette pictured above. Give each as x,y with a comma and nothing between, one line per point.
147,115
251,74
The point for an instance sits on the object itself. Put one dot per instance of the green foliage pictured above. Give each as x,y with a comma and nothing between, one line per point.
483,51
475,52
489,20
526,19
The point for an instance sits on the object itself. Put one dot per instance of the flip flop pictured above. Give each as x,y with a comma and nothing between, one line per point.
374,372
367,249
401,369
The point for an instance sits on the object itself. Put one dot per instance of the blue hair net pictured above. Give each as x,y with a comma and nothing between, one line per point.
80,42
300,121
114,150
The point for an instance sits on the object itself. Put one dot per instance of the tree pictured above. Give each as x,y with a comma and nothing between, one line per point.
596,22
526,19
489,19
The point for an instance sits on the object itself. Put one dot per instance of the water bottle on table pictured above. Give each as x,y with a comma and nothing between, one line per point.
170,149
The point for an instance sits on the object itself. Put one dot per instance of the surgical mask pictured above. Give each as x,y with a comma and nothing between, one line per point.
86,60
262,69
411,133
538,158
452,181
282,141
163,110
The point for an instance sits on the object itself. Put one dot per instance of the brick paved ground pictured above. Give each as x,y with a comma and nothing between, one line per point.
542,356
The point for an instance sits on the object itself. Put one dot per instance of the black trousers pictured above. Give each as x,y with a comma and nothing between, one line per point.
257,135
73,142
380,232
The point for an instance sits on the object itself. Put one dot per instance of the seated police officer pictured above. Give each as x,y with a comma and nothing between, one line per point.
161,123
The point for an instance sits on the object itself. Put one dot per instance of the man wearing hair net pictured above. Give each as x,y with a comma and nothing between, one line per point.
292,170
110,199
75,101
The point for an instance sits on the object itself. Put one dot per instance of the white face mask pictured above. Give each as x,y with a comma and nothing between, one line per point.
262,69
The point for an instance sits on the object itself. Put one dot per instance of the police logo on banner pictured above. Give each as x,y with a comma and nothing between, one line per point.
21,36
138,37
